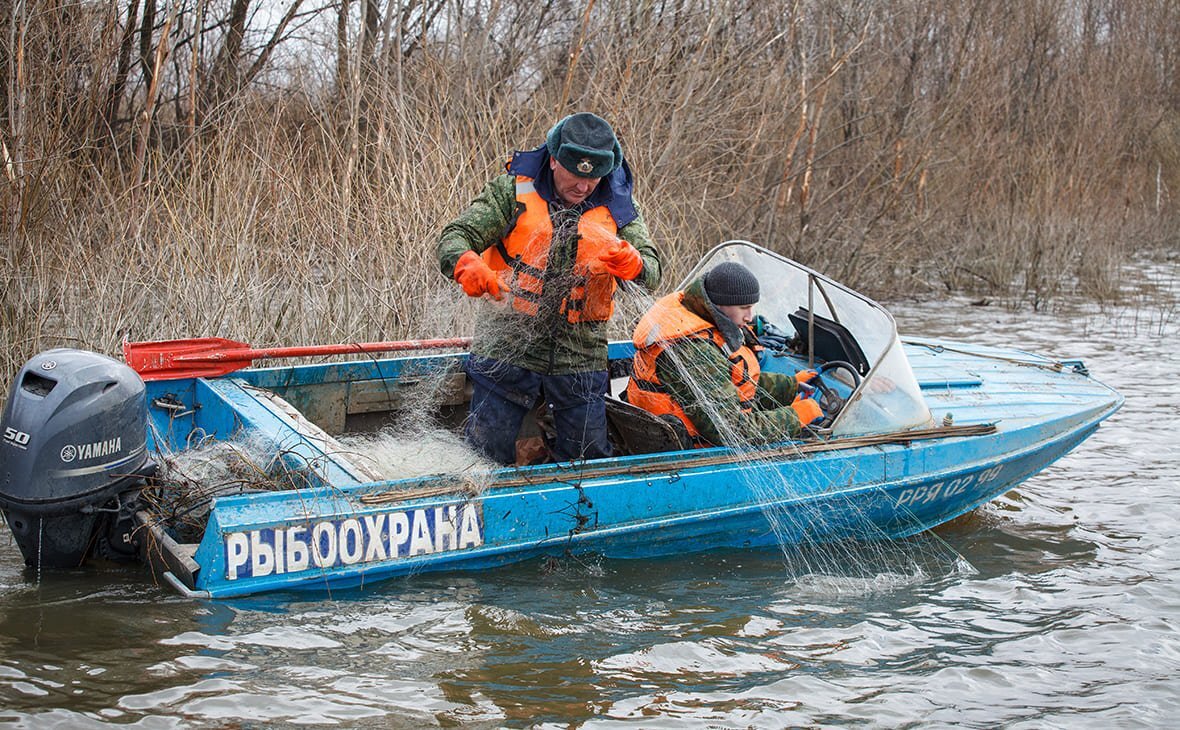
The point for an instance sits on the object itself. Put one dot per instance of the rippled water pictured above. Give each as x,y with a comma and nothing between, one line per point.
1057,607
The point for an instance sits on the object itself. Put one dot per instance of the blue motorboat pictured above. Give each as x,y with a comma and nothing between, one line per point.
919,432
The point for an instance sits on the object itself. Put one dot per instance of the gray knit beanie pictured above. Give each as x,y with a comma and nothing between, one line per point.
730,283
585,144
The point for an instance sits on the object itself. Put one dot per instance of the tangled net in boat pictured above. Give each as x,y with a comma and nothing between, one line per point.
187,481
416,449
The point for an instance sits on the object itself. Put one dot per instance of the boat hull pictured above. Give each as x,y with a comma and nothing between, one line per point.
634,507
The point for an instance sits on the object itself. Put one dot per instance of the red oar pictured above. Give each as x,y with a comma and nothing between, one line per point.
207,357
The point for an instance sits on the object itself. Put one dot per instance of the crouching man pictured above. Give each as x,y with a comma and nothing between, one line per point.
694,360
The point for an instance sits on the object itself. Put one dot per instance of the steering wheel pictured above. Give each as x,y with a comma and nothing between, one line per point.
829,400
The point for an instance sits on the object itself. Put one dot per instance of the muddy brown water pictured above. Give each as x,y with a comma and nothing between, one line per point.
1060,609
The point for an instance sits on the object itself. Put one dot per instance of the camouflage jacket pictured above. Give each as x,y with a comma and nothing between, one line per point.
696,375
548,343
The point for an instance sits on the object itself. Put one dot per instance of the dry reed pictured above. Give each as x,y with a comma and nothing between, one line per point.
1021,150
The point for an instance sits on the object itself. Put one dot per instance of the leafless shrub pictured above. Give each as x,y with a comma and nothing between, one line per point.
202,168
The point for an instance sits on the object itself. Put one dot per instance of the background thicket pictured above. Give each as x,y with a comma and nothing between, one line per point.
277,170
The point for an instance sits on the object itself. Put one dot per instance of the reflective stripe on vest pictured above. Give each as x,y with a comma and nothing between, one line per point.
665,324
523,252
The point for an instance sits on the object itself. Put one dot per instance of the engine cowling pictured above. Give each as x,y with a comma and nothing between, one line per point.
73,439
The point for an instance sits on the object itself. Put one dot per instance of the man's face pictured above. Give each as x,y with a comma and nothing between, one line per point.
571,188
739,314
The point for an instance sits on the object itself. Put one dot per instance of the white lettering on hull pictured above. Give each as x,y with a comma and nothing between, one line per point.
371,538
927,493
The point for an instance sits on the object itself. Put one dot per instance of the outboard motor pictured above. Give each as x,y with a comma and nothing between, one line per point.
73,454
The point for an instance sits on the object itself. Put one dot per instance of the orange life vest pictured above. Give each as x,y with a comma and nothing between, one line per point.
668,322
524,253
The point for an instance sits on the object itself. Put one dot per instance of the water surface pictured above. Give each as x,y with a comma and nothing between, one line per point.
1054,606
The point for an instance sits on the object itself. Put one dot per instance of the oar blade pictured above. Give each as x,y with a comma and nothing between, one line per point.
166,359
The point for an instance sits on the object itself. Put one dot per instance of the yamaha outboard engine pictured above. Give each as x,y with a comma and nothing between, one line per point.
72,455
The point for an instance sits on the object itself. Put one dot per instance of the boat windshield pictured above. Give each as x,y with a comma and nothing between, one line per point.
845,326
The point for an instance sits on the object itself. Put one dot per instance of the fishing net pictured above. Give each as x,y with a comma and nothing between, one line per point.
803,511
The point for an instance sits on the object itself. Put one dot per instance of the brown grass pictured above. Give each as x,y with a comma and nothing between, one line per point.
1022,150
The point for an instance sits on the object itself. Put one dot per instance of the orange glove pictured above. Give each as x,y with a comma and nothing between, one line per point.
623,261
804,376
807,410
476,277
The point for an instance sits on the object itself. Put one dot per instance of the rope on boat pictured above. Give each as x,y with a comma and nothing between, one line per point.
1056,366
468,489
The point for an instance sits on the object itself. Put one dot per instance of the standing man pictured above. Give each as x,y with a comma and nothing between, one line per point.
694,361
550,239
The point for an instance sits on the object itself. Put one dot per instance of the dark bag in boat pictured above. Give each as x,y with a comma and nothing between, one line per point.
832,340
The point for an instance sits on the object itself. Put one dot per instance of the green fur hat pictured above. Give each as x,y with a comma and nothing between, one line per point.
585,144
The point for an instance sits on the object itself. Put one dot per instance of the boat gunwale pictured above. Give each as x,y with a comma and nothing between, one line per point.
662,463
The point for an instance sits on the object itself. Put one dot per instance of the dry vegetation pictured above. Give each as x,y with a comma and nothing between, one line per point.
202,168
